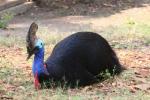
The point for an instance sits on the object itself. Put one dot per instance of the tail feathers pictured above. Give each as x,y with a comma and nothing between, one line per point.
116,68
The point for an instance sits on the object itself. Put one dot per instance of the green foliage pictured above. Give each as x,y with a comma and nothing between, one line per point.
104,75
5,18
131,34
50,38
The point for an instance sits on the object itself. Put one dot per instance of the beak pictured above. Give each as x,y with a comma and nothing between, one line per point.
29,52
29,55
32,52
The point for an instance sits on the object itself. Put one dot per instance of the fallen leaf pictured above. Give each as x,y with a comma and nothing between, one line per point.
144,87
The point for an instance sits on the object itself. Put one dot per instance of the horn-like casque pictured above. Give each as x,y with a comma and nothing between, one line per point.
31,38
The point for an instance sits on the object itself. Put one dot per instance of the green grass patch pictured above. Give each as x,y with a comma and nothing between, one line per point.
130,35
5,19
50,38
12,40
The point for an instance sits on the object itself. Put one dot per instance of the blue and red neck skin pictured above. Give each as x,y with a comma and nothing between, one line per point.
38,67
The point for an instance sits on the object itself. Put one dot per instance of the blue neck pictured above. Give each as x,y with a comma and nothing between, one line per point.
38,64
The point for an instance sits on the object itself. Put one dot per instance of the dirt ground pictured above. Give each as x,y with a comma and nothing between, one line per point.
135,79
58,21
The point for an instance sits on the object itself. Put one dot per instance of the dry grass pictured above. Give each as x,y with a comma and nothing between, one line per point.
130,40
16,80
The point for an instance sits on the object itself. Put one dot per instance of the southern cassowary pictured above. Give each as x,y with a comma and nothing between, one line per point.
77,59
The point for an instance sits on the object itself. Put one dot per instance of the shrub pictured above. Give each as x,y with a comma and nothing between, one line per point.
60,3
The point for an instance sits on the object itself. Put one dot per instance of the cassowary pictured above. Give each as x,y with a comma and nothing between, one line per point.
77,59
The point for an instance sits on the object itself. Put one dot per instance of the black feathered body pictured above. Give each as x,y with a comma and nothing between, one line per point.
80,57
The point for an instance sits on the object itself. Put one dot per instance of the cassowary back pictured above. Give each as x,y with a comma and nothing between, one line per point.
82,56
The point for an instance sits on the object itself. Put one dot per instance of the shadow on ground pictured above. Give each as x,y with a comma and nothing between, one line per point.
93,8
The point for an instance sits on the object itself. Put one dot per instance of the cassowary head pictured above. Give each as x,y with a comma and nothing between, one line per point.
32,42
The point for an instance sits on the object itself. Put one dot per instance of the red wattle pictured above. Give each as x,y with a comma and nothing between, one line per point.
36,82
